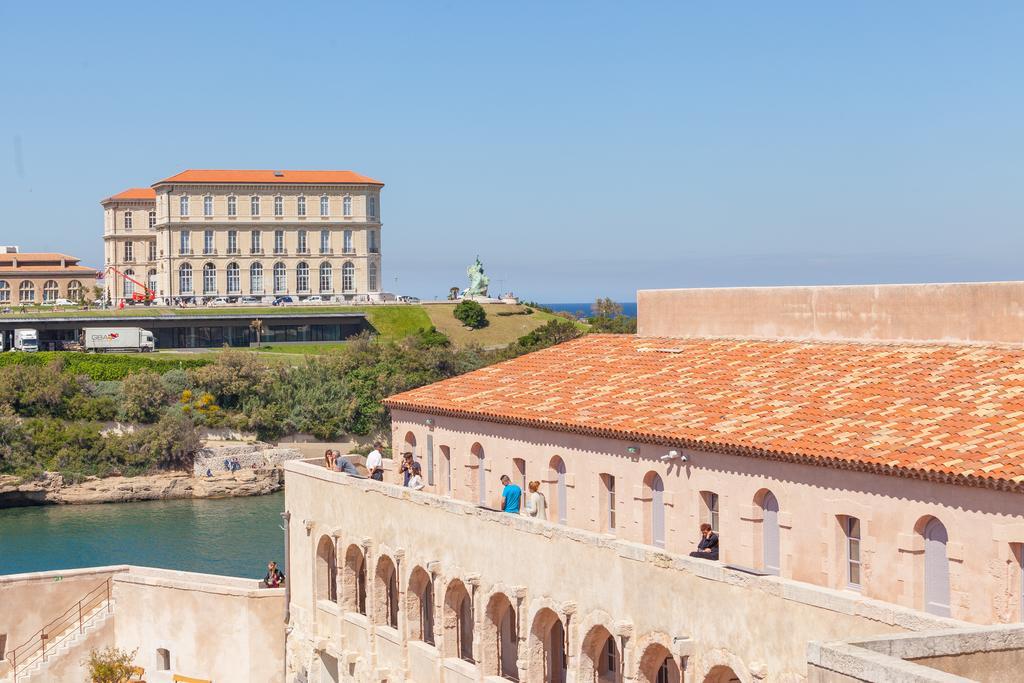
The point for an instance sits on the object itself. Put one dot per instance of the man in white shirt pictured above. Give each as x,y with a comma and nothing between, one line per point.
375,462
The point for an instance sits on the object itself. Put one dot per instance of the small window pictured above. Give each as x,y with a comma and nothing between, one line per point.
185,242
853,552
279,241
129,251
709,514
183,204
232,241
256,242
346,206
325,241
373,206
127,221
325,206
301,206
163,659
347,242
207,205
152,251
254,205
232,205
152,219
303,244
208,242
373,246
608,502
278,205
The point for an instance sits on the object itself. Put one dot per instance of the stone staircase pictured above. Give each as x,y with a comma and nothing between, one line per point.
32,661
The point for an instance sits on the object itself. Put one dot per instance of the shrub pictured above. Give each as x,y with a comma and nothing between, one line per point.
175,381
101,366
234,376
471,314
36,390
111,665
171,443
92,408
428,339
144,396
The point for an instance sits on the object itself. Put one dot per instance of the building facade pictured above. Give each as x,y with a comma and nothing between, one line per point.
41,278
847,479
204,234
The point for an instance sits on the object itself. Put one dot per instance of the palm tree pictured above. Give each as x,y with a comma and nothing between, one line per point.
257,326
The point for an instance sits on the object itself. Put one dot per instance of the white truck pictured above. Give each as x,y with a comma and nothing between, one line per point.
117,339
25,340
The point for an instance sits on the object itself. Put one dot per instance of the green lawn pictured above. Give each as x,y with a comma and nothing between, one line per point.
500,331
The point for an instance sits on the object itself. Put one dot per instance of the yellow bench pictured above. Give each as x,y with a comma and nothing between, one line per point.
178,678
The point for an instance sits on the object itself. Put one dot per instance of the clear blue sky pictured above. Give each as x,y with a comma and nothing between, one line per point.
582,149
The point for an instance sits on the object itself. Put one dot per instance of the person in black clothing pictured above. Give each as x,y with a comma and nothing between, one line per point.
707,549
274,577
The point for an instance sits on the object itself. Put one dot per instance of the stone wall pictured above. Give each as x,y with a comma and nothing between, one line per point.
705,618
262,455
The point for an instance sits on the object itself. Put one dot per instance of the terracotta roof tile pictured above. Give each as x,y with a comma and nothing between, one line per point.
133,193
271,176
929,408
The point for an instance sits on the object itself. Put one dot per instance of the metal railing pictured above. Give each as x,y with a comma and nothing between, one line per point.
72,621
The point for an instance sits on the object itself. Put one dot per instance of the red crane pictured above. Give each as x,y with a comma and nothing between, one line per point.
149,294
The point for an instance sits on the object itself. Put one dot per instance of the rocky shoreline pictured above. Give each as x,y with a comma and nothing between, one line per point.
52,490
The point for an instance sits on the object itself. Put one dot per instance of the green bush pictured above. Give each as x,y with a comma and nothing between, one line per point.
144,397
101,366
471,314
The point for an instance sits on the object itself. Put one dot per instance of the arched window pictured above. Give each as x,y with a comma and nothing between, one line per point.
654,501
371,277
127,221
163,659
256,278
209,278
5,291
419,606
326,570
458,622
477,452
26,292
185,279
354,580
302,277
75,290
770,556
326,278
51,291
128,287
601,657
152,219
151,280
558,489
501,640
936,566
280,278
234,278
385,592
348,277
658,666
547,636
346,206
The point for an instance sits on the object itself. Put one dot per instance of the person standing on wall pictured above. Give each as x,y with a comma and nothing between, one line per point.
536,504
511,496
375,462
406,468
274,577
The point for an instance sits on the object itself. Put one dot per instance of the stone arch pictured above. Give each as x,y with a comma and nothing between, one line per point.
600,656
354,580
658,665
720,673
419,605
385,592
410,443
547,659
500,642
326,570
722,666
458,622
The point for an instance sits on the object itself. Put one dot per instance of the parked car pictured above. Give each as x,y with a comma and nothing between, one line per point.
251,300
60,302
315,299
282,300
218,301
409,299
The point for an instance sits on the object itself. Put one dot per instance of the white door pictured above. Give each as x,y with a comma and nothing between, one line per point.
936,569
657,512
770,529
563,496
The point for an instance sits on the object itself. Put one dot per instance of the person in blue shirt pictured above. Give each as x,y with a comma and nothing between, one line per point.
511,495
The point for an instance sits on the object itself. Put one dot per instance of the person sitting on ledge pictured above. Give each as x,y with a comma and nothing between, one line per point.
375,462
274,577
707,549
329,459
342,464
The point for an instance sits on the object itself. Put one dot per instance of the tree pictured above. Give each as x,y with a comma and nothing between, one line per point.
257,326
111,665
471,314
606,308
144,396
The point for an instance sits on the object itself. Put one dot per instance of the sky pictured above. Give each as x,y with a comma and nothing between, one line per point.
580,149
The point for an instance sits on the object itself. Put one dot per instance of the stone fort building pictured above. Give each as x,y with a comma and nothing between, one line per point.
859,450
207,233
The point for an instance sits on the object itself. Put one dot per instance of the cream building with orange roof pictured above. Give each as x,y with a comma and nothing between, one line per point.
207,233
41,278
859,451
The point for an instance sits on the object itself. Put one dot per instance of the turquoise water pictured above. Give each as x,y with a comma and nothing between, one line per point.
233,536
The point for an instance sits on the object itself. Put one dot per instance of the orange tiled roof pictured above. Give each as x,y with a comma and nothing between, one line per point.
36,256
55,268
263,177
133,193
954,413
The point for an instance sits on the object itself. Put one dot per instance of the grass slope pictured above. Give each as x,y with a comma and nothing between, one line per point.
501,330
